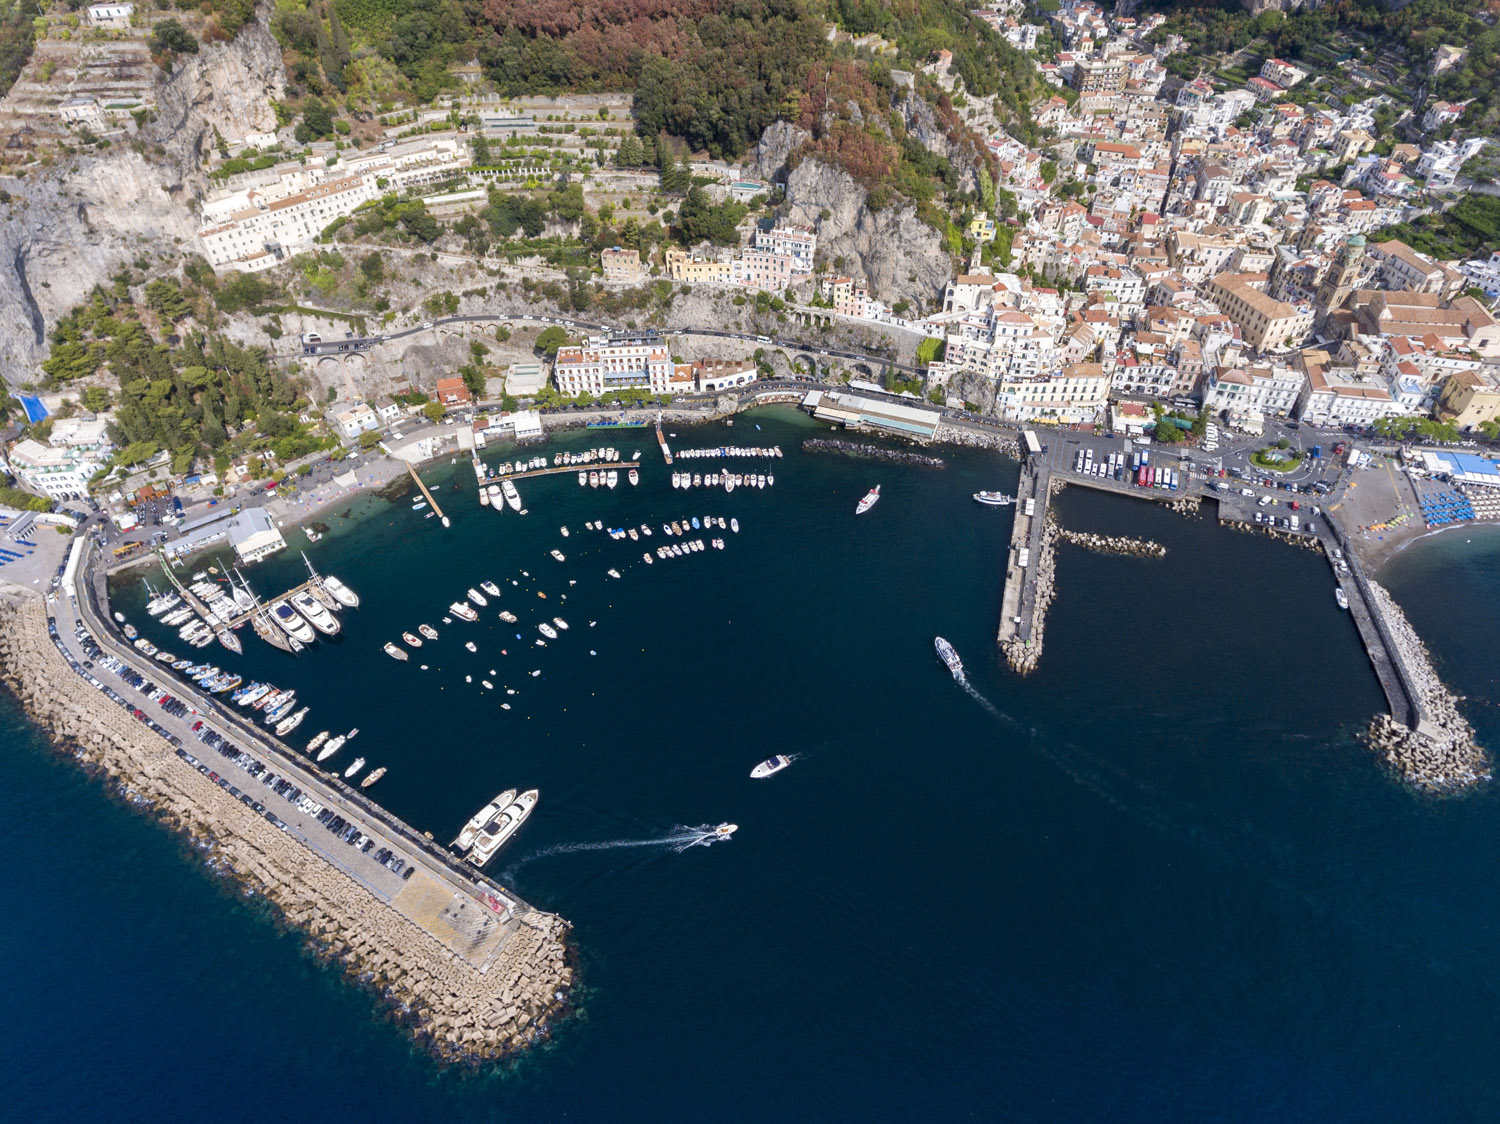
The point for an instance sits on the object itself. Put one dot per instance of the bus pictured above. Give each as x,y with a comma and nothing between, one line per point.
1033,446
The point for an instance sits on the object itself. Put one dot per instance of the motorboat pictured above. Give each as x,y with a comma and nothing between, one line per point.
478,598
558,555
869,501
341,592
770,766
428,631
500,828
413,641
634,477
318,740
507,616
949,656
395,653
462,611
612,572
287,725
725,830
465,838
291,622
594,479
613,478
354,766
373,777
469,644
130,632
547,630
1342,598
490,587
994,499
512,497
647,557
333,746
493,491
734,525
564,531
583,478
316,613
562,624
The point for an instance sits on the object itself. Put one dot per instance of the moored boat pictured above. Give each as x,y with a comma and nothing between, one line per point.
547,630
465,838
354,766
414,641
373,777
395,653
869,501
499,830
462,611
333,746
428,631
291,622
478,598
1342,598
318,740
994,499
316,613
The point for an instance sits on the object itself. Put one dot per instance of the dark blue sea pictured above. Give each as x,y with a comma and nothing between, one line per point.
1158,880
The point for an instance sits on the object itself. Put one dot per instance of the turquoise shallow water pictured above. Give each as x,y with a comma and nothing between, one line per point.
1157,880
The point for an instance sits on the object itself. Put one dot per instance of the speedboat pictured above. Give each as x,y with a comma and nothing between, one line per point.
1342,598
868,502
725,830
465,838
564,531
333,746
770,766
547,630
634,476
949,656
341,592
562,624
414,641
583,478
558,555
354,766
478,598
490,587
462,611
507,616
612,572
613,478
469,644
994,499
316,612
500,828
428,631
395,652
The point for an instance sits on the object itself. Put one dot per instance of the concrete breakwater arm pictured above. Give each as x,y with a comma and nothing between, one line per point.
472,982
1114,544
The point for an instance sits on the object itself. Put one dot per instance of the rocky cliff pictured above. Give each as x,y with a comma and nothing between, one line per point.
69,227
897,252
923,126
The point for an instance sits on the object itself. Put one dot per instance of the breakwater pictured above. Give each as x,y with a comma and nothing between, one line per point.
1114,544
871,452
1440,754
1004,442
462,1002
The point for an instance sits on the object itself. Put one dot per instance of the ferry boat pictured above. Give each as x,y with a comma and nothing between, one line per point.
869,501
507,616
333,746
341,592
354,766
634,477
373,777
394,652
949,656
770,766
291,623
994,499
316,612
462,611
317,741
1342,598
413,641
499,830
512,497
547,630
478,598
428,631
558,555
465,838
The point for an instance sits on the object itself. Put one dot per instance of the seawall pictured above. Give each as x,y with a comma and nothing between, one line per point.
460,1008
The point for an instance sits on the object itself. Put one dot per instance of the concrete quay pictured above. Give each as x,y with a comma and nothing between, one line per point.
474,971
1028,588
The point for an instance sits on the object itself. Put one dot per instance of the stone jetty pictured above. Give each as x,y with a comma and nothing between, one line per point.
1439,755
1024,654
464,1002
1004,441
872,452
1115,544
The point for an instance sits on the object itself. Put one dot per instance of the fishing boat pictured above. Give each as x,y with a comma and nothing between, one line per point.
507,616
770,766
478,598
499,830
130,632
318,740
634,477
1342,598
395,653
594,479
949,656
558,555
647,557
373,777
465,838
354,766
413,641
869,501
547,630
994,499
428,631
462,611
333,746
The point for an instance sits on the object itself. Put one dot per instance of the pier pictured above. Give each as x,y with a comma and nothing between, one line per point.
1018,602
666,453
436,509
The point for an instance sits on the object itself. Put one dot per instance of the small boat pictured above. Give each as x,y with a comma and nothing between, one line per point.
564,531
341,592
547,630
558,555
414,641
634,477
868,502
616,573
594,479
994,499
490,587
583,478
419,505
462,611
428,631
1342,598
317,741
130,632
352,734
734,525
373,777
562,624
770,766
507,616
478,598
354,766
696,525
469,644
613,478
725,830
484,498
287,725
647,557
395,653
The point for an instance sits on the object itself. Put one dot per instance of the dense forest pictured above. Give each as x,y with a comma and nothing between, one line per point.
17,35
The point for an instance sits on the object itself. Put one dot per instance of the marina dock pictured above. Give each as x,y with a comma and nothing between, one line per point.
433,502
666,453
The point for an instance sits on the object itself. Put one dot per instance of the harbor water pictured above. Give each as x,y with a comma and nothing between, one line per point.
1157,880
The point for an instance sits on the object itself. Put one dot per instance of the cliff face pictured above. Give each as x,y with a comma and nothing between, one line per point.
924,127
69,227
897,252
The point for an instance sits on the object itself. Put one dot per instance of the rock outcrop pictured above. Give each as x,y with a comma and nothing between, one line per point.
899,254
778,142
924,127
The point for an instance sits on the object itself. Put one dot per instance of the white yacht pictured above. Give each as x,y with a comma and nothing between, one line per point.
316,612
333,746
462,611
354,766
498,831
512,497
465,838
493,491
478,598
291,623
770,766
341,592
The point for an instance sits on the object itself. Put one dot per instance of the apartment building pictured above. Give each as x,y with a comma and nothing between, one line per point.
620,264
800,243
619,361
269,228
1266,324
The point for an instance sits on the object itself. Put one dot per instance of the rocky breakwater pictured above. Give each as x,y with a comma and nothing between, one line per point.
1440,756
872,452
1023,656
976,439
459,1011
1114,544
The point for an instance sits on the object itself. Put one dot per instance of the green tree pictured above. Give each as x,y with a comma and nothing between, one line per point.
170,38
434,411
369,439
550,340
479,145
164,297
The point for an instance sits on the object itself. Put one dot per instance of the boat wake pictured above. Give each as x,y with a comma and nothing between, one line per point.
678,840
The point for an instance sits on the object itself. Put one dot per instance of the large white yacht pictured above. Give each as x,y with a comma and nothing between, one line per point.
291,623
498,831
466,837
316,612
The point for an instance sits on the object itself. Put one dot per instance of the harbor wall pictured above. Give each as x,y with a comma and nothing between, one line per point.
458,1011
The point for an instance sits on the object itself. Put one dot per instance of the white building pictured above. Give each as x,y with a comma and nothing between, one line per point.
1076,393
59,472
616,362
800,243
253,535
1243,390
111,15
1336,396
355,418
271,226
